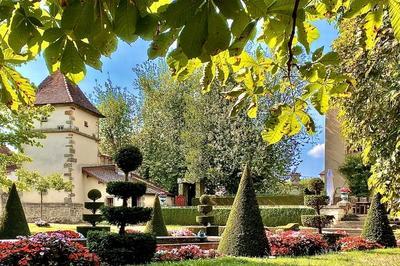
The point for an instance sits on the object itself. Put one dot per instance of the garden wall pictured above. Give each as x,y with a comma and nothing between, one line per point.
273,200
52,212
271,216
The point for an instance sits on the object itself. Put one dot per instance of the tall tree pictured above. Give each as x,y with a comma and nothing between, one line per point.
370,113
187,135
119,107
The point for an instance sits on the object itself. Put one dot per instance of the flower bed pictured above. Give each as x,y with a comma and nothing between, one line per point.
52,248
356,243
189,252
296,243
181,232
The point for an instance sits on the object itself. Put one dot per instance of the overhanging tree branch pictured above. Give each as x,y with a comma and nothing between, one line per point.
291,37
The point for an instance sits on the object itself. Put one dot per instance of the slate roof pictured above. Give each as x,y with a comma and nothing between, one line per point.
107,173
58,89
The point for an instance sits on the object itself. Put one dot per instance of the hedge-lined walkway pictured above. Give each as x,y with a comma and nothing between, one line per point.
381,257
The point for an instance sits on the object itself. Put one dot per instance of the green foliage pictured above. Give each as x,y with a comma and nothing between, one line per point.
118,106
115,249
94,194
271,216
206,199
369,115
244,234
356,174
183,151
156,225
93,219
128,159
316,186
93,206
376,227
121,216
204,209
13,221
85,229
126,190
316,201
262,200
317,221
210,33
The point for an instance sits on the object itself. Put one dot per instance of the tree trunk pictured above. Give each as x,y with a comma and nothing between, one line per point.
41,205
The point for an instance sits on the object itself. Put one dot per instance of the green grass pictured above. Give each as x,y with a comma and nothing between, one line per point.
54,227
381,257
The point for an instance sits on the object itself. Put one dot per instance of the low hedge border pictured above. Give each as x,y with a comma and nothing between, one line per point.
271,216
276,200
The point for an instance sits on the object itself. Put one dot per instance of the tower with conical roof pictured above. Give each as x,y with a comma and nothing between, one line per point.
72,137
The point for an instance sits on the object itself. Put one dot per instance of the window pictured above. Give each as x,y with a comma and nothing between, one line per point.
86,124
110,202
43,119
60,127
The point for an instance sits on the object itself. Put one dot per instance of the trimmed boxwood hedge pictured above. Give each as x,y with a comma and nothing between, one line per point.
275,200
271,216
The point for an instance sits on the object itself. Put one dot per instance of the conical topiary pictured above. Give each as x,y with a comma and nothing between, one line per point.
13,222
376,227
156,225
244,234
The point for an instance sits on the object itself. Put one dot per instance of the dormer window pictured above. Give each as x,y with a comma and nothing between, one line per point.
43,119
86,124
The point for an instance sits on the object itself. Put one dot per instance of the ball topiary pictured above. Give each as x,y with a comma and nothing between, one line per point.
206,200
316,201
128,159
13,222
156,225
94,194
376,227
244,234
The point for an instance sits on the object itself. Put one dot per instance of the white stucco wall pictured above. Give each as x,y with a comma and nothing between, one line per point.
335,147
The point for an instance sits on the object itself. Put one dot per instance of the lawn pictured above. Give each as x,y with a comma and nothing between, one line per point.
382,257
53,227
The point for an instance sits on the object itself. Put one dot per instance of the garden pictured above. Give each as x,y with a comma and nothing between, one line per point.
243,231
220,120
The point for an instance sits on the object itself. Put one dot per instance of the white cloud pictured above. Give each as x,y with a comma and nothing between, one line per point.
317,151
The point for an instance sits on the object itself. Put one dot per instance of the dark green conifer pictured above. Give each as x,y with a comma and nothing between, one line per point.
376,227
244,234
156,225
13,222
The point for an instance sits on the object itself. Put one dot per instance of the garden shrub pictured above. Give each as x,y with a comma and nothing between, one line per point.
267,200
357,243
156,225
315,200
124,248
205,207
13,222
244,233
128,159
94,217
356,174
189,252
376,227
116,249
296,243
46,249
271,216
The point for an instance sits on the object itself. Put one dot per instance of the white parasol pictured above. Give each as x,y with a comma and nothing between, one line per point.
330,189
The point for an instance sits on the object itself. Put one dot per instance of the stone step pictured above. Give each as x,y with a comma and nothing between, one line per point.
350,231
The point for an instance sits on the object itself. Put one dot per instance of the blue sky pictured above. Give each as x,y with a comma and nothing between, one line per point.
119,68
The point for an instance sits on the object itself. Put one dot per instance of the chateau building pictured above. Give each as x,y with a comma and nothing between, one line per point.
71,148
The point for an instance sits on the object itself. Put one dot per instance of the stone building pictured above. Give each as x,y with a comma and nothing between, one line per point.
71,148
335,149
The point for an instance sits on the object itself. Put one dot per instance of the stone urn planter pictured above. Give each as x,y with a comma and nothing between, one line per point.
344,194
